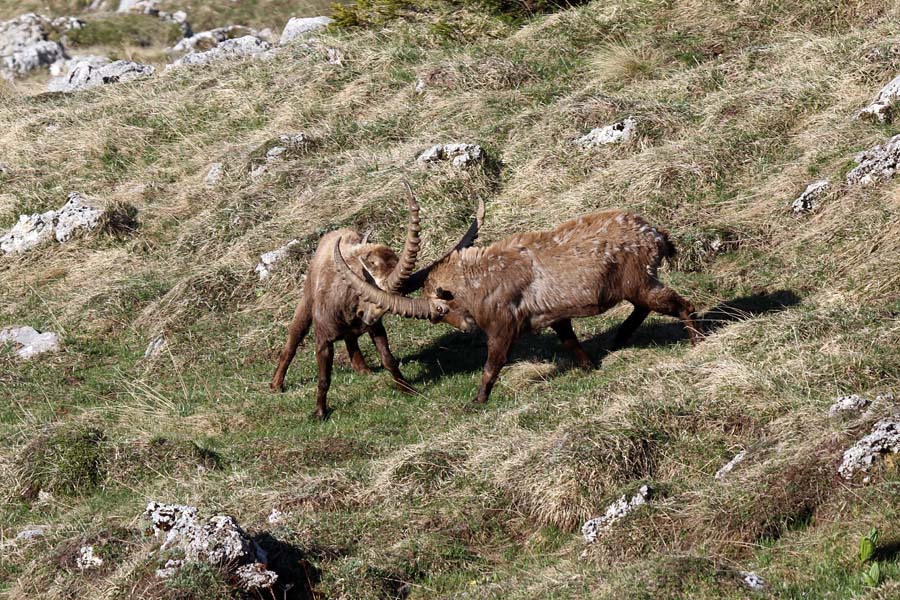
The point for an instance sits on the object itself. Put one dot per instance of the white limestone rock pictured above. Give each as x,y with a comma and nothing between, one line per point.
219,541
269,260
810,197
75,217
884,439
62,68
459,155
276,517
41,54
25,44
753,581
299,27
28,232
616,133
156,346
730,465
854,403
242,47
206,40
31,533
615,512
29,342
882,108
86,559
877,164
214,174
85,75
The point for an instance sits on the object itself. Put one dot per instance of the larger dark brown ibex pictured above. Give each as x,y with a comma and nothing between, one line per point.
337,310
533,280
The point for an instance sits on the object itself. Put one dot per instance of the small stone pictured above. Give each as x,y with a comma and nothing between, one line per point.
214,174
730,465
31,533
877,164
28,341
275,517
299,27
615,512
269,260
170,569
45,497
335,57
459,155
255,576
884,439
421,86
610,134
808,200
86,558
156,346
853,403
753,581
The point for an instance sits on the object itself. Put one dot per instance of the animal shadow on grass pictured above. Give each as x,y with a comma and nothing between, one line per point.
296,576
457,352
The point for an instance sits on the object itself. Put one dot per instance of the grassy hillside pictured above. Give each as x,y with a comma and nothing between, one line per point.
739,106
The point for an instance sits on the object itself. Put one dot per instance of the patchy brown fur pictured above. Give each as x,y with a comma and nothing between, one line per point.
533,280
339,313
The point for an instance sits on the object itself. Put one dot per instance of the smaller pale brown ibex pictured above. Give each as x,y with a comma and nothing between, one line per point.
533,280
337,310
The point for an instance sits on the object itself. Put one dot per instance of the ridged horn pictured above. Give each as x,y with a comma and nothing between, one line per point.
417,279
415,308
407,261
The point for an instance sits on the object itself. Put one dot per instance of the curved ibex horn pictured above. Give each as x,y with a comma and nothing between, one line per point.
407,262
416,308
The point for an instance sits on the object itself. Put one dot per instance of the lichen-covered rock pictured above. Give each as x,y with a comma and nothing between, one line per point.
41,54
25,46
269,260
299,27
609,134
877,164
810,197
854,403
28,232
86,558
219,541
884,439
615,512
29,342
242,47
75,217
460,155
85,75
730,465
207,40
882,108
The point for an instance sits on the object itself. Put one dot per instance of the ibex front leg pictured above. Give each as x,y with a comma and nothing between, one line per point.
325,359
498,352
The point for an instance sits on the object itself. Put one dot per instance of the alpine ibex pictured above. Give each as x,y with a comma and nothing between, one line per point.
533,280
337,310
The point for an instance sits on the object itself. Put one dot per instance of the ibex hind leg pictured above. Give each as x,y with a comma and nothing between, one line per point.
297,330
357,360
569,340
666,301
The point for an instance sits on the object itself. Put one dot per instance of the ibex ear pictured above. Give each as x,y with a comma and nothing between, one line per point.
443,294
367,273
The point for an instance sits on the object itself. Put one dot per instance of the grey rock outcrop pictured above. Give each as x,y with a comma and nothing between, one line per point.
459,155
609,134
614,512
25,45
882,108
269,260
242,47
62,68
810,197
85,75
74,218
854,403
219,541
206,40
877,164
299,27
884,439
29,342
